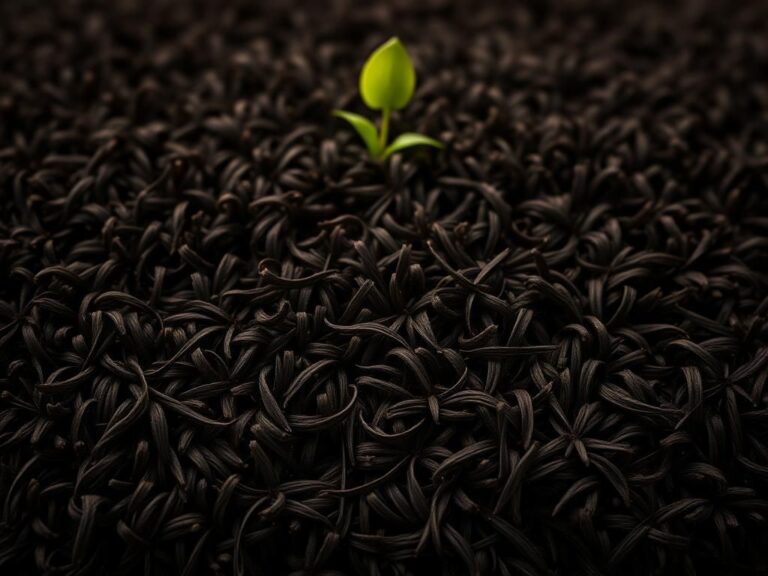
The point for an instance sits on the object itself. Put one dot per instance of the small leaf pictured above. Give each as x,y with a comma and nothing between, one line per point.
364,127
388,78
408,140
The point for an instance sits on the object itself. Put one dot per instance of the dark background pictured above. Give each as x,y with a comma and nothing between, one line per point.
230,343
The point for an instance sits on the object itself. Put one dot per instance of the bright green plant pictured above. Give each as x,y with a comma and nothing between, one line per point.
386,83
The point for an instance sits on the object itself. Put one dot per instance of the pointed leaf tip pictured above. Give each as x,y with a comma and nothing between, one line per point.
364,127
388,78
409,140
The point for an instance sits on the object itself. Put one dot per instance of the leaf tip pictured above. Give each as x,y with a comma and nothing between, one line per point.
388,79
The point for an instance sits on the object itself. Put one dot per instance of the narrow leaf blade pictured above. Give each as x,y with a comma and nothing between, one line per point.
409,140
364,127
388,78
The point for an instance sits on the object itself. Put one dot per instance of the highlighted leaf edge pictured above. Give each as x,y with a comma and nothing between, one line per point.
364,128
415,140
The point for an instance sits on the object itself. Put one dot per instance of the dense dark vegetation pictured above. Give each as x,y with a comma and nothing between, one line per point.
231,344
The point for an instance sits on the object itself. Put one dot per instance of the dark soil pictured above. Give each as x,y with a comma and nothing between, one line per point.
231,344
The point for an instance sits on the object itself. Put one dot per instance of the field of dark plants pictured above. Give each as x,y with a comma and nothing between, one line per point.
232,343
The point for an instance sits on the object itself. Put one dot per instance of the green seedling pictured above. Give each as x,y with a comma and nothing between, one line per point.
386,83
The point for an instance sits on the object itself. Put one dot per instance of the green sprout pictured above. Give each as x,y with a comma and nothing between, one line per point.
386,83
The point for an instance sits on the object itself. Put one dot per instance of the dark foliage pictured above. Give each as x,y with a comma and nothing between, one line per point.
231,344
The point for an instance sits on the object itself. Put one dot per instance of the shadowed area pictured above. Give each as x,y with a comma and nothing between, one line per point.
231,344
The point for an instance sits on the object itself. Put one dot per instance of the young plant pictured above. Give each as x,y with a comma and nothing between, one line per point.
386,83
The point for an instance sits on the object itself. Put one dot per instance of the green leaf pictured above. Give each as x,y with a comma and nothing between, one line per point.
408,140
364,127
388,78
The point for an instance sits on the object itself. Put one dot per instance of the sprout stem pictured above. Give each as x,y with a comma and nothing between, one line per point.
384,134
